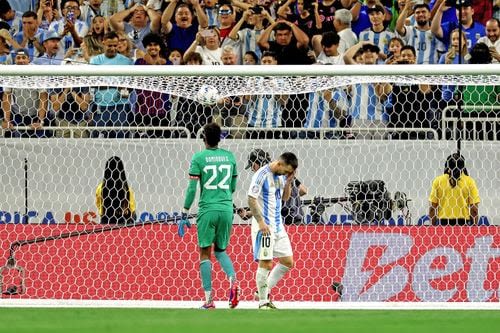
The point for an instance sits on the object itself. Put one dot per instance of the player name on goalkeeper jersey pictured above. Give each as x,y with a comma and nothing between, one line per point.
214,159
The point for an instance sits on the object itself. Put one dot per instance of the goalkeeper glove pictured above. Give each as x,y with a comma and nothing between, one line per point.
184,222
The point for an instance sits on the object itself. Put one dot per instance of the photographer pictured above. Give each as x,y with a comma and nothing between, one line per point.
246,39
304,14
207,44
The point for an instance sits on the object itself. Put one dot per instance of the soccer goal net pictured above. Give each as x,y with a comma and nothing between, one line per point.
94,166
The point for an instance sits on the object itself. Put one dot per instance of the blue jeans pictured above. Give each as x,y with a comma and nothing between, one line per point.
113,115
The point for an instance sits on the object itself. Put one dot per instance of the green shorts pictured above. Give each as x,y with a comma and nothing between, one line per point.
214,228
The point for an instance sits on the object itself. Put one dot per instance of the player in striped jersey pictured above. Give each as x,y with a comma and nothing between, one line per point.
377,33
271,185
215,169
420,35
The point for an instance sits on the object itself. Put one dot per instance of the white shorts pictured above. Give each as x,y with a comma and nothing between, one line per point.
275,245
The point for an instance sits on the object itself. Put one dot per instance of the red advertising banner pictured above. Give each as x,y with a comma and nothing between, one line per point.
446,264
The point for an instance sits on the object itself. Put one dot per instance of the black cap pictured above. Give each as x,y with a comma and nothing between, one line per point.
375,8
258,156
21,51
464,3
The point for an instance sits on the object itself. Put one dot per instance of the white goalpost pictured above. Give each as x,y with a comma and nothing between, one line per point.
363,239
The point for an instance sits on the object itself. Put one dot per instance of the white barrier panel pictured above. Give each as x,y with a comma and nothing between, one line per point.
54,180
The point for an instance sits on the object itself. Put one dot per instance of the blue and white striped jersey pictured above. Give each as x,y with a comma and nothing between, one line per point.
16,24
364,102
32,51
212,15
264,111
381,39
67,41
267,188
24,5
318,111
426,44
87,13
248,40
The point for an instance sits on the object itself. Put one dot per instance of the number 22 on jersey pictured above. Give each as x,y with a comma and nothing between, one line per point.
218,176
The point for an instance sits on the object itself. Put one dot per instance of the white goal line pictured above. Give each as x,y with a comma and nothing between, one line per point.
58,303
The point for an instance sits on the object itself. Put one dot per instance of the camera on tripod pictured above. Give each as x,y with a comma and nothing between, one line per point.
368,202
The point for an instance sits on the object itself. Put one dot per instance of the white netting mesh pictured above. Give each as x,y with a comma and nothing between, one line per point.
188,86
370,238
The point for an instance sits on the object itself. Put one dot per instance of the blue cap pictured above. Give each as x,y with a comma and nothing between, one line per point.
48,36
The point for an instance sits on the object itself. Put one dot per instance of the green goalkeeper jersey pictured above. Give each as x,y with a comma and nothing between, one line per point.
216,170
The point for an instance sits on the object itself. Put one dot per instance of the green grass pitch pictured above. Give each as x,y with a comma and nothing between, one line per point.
124,320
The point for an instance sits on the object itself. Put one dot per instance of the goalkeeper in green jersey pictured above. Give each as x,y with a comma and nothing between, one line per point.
215,169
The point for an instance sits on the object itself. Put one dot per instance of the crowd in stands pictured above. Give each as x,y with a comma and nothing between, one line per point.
245,32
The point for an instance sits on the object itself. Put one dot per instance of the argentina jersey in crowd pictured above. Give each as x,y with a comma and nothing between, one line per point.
215,168
267,188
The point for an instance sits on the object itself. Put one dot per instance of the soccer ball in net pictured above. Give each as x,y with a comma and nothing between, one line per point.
207,95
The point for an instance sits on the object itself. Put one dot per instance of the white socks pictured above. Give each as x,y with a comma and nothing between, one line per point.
262,287
276,274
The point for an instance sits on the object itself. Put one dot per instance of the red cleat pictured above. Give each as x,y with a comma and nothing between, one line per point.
234,296
208,306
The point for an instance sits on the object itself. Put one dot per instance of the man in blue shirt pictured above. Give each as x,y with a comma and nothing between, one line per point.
473,30
52,54
113,105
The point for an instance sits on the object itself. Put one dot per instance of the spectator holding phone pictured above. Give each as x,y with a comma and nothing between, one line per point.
394,55
207,43
246,38
69,27
46,14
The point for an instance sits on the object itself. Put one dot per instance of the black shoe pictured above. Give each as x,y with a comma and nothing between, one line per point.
338,288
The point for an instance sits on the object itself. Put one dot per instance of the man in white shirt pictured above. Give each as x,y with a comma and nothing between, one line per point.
492,39
342,24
